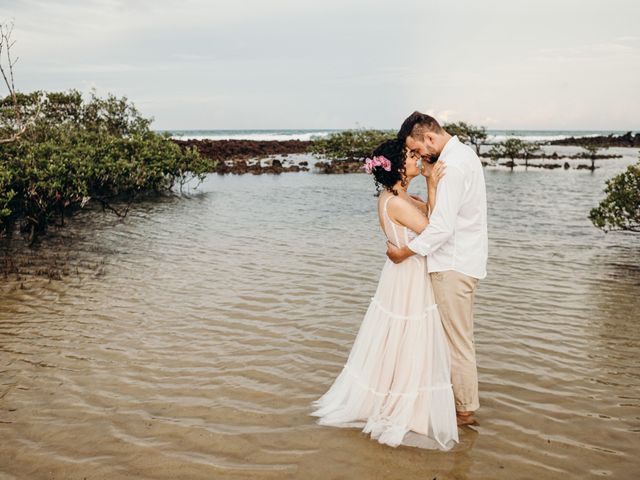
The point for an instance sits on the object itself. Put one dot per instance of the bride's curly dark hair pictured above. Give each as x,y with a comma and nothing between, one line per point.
394,150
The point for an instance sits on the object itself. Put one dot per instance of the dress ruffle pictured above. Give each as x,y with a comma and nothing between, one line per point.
395,384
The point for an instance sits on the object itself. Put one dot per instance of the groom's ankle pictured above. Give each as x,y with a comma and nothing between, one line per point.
465,413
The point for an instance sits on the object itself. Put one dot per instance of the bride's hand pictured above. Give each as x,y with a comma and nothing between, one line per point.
433,172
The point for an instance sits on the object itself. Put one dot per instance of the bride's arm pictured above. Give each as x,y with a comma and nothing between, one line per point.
414,220
404,213
419,203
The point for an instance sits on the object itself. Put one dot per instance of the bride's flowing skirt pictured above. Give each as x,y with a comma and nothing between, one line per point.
395,384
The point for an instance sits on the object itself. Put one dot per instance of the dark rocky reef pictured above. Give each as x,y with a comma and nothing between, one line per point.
602,141
230,156
556,156
340,166
239,167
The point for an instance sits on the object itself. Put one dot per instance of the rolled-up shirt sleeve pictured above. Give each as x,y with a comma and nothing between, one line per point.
442,221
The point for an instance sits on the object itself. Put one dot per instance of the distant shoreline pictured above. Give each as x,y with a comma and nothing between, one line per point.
241,156
602,141
497,135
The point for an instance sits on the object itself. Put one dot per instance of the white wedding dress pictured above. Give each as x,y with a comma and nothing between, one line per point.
396,383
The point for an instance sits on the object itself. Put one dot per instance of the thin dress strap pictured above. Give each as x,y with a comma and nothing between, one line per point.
393,225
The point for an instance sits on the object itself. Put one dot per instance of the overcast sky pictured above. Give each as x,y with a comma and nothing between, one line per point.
260,64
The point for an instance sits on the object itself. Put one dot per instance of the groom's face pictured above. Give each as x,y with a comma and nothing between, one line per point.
423,147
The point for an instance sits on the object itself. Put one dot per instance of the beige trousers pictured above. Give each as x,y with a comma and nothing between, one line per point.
455,293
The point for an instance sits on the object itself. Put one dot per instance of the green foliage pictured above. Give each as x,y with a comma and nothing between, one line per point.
358,144
620,209
101,149
529,149
513,148
510,148
6,191
349,144
591,152
467,133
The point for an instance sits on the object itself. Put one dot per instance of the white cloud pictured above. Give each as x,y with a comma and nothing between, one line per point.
331,64
443,115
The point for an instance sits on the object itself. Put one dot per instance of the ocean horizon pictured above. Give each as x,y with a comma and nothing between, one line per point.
307,134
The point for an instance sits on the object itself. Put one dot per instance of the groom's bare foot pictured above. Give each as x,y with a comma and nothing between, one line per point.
466,418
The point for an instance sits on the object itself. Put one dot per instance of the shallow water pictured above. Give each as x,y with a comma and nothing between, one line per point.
194,351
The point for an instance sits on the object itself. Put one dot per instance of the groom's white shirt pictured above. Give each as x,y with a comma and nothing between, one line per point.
456,237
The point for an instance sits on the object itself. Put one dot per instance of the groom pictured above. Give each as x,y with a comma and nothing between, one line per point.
455,242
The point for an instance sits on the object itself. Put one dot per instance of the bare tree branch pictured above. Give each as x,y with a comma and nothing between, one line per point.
19,125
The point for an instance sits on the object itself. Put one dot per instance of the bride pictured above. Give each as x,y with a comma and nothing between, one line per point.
395,384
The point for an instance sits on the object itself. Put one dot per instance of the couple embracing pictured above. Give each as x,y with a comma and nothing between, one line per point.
411,376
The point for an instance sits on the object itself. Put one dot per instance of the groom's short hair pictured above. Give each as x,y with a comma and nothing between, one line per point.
416,124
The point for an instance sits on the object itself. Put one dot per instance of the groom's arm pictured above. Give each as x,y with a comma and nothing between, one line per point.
443,218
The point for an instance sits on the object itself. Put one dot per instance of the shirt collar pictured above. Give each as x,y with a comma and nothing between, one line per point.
453,141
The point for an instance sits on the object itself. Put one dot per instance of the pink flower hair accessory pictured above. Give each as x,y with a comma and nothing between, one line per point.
378,161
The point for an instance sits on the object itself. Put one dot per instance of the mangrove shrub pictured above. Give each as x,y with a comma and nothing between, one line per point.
620,209
76,151
349,144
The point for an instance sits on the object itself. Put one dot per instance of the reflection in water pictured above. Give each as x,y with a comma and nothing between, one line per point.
615,305
217,318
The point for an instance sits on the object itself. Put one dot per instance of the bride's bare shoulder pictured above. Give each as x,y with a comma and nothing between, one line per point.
384,197
398,203
400,209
